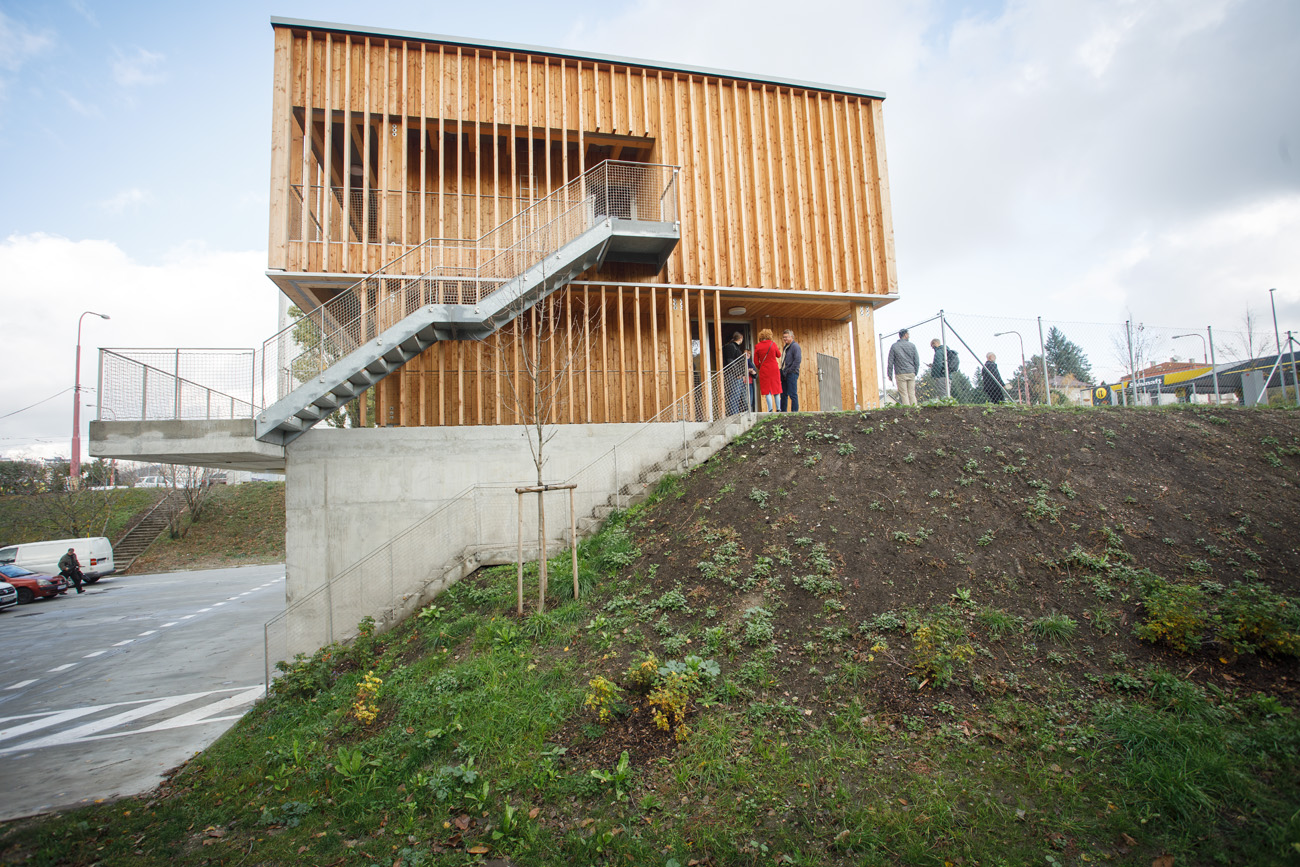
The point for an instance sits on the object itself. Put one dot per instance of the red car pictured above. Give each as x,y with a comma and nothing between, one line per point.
33,585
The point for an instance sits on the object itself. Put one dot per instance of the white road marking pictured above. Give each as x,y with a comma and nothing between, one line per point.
100,729
94,653
124,643
218,604
188,616
48,720
20,684
165,625
203,714
204,610
150,632
63,667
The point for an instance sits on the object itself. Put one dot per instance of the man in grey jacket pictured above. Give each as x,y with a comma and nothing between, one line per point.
904,362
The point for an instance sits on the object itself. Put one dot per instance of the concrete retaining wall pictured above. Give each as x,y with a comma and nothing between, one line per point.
350,491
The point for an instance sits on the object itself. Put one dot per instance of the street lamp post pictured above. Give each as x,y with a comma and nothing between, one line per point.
1024,373
74,474
1205,352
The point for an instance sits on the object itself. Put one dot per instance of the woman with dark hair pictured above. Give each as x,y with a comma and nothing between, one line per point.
735,372
767,358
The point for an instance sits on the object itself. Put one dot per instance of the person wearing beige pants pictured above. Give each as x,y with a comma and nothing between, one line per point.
904,364
906,388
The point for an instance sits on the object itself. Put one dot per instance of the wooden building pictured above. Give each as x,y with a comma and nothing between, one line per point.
383,139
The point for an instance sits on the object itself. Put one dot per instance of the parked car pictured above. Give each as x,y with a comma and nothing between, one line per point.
8,595
95,553
217,478
152,482
33,585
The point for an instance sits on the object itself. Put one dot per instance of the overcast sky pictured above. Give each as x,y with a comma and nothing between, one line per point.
1084,161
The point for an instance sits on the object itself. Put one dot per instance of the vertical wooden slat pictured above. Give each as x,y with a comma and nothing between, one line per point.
884,216
654,348
586,354
281,121
640,364
830,203
622,360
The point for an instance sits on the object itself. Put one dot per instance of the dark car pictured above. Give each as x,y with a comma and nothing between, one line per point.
33,585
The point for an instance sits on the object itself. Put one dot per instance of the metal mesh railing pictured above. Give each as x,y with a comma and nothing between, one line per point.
464,271
486,517
1087,363
163,384
342,215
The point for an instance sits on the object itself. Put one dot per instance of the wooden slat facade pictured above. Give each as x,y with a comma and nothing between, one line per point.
381,141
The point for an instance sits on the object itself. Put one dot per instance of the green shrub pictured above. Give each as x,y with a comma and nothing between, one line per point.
940,646
1255,619
1174,613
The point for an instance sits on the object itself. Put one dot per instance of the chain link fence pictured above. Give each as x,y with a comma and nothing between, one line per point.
162,384
990,359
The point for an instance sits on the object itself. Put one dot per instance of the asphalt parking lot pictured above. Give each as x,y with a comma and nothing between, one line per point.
103,693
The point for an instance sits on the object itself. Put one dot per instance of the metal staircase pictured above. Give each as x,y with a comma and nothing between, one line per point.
455,289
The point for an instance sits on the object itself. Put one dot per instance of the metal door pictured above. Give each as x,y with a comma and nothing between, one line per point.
828,382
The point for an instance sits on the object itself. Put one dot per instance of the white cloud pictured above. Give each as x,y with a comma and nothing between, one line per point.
127,200
194,297
142,67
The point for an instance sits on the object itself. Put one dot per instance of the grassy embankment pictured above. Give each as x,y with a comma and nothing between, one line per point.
33,518
946,637
239,525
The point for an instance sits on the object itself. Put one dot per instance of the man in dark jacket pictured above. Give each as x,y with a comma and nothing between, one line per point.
791,358
991,380
70,567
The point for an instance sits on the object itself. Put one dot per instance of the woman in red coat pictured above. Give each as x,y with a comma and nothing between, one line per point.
767,358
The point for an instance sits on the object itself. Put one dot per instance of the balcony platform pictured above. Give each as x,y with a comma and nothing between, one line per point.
226,444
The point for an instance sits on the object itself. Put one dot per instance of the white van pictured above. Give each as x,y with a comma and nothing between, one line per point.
152,482
94,552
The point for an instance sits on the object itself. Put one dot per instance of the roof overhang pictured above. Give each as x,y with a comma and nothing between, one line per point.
616,60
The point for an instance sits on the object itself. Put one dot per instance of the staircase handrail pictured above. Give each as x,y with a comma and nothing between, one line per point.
342,323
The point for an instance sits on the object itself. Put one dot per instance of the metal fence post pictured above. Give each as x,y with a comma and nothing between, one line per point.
176,372
1214,365
1291,345
1042,348
144,392
943,345
618,500
1132,370
99,390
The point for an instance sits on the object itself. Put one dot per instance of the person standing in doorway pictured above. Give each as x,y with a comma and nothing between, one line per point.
736,373
767,359
904,364
791,359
